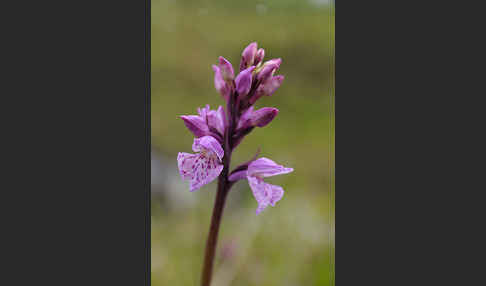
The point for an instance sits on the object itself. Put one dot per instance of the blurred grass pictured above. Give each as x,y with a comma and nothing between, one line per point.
291,243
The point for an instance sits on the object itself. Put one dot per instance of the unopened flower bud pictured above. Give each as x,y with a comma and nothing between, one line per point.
243,81
226,69
253,118
263,116
219,83
268,87
259,56
248,56
268,69
245,119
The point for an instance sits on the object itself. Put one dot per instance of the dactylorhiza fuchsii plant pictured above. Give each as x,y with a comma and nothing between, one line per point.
218,132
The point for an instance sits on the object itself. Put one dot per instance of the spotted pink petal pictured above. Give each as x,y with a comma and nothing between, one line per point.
207,144
264,167
204,170
277,194
264,193
185,161
203,167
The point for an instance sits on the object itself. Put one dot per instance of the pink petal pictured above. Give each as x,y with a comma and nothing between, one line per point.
216,119
243,81
196,124
220,84
277,194
263,116
248,56
259,56
203,111
264,193
265,167
185,161
268,69
260,192
208,144
206,169
226,69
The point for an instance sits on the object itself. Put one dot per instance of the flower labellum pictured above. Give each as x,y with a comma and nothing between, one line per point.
264,193
205,166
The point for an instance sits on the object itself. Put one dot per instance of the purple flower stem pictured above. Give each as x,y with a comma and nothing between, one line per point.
224,185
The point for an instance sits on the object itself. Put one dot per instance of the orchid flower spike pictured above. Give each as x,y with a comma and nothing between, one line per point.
205,166
218,133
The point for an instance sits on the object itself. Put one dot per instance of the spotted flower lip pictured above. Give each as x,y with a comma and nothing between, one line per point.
204,166
265,194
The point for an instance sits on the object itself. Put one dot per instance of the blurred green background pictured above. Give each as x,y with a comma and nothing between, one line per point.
292,243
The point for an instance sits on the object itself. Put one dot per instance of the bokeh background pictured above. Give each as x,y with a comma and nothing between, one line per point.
292,243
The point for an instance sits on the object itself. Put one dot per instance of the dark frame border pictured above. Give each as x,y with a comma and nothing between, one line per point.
148,142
